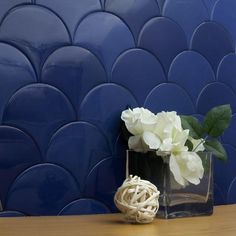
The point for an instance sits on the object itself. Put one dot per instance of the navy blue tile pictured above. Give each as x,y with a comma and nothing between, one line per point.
71,11
224,13
134,13
15,71
11,214
213,42
43,189
169,97
85,54
78,147
110,100
28,28
17,152
39,110
120,147
105,35
229,134
223,182
219,197
215,94
84,207
188,14
102,3
161,3
8,5
99,186
231,196
73,70
139,72
192,72
210,4
226,72
164,38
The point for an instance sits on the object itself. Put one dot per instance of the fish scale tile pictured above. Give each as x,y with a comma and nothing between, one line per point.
183,10
68,69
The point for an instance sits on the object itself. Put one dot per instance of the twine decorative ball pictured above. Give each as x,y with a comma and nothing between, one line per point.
138,200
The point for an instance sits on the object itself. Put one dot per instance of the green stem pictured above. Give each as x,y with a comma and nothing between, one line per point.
203,141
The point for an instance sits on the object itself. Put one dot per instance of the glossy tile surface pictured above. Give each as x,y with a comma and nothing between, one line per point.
67,70
84,207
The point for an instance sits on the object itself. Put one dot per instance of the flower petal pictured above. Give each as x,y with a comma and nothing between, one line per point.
166,145
136,143
151,140
139,120
174,167
191,167
196,167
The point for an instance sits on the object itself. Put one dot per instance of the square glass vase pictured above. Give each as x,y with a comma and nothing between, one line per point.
175,200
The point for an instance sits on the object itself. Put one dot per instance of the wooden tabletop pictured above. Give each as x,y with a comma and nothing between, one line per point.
222,222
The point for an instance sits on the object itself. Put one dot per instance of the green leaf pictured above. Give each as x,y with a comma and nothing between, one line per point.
189,145
216,148
191,123
217,120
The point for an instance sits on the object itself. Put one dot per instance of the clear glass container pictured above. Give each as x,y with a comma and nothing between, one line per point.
175,200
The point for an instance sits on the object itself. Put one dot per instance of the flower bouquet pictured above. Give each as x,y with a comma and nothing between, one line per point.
175,153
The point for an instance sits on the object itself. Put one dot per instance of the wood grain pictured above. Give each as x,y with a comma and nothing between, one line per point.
222,222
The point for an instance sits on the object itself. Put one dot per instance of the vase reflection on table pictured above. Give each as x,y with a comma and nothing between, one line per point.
175,200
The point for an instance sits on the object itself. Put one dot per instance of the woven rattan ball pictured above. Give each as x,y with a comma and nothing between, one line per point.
138,200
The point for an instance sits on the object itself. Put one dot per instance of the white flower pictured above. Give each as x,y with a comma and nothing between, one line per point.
176,142
163,132
166,122
197,144
186,167
144,142
171,133
139,120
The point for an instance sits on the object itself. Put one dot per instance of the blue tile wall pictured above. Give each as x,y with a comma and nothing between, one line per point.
67,70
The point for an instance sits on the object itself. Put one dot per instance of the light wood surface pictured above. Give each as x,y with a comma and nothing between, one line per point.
222,222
